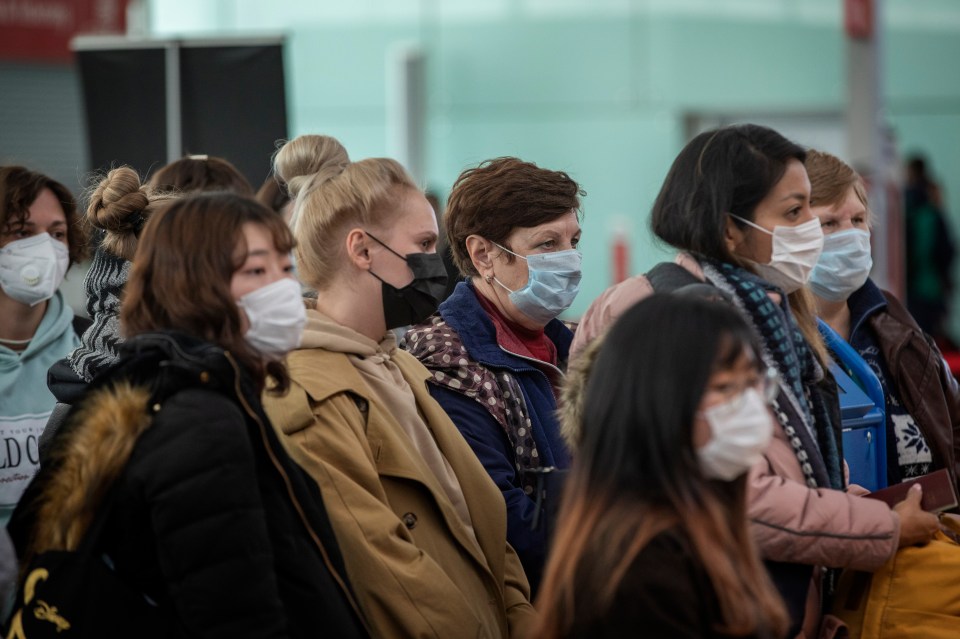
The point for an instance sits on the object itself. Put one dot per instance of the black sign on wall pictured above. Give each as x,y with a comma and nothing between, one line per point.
149,103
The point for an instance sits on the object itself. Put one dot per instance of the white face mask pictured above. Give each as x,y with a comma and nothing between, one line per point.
32,269
796,250
277,317
844,265
740,431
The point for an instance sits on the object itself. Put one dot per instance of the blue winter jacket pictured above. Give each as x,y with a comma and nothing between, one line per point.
469,322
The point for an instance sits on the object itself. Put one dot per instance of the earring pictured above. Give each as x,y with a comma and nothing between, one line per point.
488,278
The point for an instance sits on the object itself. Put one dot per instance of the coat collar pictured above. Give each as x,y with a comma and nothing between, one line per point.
325,374
468,318
864,302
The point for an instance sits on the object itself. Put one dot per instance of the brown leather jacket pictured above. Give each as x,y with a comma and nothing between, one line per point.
926,386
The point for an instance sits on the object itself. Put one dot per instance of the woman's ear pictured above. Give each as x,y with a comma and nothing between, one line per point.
479,248
732,235
358,248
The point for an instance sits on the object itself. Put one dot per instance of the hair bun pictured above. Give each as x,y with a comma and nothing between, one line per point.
310,160
118,202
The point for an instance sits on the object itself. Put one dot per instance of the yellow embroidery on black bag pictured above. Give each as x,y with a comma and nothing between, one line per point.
46,612
43,611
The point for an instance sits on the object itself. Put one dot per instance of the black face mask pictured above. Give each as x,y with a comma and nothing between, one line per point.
417,300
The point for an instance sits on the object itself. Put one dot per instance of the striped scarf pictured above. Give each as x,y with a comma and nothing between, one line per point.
801,406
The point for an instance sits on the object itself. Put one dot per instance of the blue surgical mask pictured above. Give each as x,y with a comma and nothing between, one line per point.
844,265
552,284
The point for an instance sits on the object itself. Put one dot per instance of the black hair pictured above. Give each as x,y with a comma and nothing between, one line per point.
643,393
719,172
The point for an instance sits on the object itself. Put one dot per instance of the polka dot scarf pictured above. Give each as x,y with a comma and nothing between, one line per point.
438,347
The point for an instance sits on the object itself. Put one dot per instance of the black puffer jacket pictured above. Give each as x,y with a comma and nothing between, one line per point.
212,519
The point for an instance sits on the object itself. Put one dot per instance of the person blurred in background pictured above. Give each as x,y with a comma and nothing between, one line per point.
496,348
273,194
930,252
40,238
200,173
922,398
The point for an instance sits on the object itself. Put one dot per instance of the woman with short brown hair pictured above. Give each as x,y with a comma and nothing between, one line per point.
496,348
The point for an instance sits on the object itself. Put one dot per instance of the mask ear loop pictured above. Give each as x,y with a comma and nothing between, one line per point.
488,278
375,239
749,223
383,244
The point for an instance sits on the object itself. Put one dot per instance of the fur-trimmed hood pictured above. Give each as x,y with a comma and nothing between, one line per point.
87,462
570,403
95,444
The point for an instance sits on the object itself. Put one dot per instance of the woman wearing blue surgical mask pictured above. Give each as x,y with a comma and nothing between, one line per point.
922,399
736,203
496,349
40,239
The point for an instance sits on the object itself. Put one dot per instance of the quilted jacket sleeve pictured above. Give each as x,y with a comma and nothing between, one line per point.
200,485
792,522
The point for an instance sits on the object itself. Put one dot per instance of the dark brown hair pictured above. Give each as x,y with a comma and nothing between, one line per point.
200,173
181,274
273,194
500,195
20,187
636,473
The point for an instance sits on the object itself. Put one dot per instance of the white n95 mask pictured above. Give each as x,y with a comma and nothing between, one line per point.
740,429
32,269
796,250
277,317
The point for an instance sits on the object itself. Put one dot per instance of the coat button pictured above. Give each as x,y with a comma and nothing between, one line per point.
409,520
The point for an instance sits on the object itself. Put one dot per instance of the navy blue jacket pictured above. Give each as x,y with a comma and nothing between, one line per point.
464,314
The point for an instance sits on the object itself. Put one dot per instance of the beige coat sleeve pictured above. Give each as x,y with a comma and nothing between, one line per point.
402,591
516,594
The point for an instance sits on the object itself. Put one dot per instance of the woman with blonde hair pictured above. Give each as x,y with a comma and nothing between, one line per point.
421,525
922,401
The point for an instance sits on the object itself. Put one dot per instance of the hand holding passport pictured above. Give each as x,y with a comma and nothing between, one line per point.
939,493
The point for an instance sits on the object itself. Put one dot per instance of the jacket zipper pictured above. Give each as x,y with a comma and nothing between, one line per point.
534,361
293,498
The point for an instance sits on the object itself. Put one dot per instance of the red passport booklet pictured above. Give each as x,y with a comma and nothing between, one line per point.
939,493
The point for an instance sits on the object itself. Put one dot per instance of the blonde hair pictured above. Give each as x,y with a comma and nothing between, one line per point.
120,205
331,195
830,180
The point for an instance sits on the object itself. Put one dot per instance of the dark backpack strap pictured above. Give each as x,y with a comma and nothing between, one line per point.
667,277
81,324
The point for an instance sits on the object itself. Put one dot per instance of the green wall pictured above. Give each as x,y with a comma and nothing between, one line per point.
603,89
